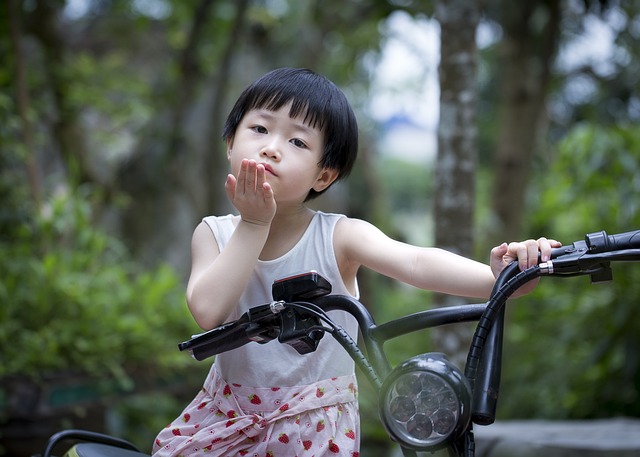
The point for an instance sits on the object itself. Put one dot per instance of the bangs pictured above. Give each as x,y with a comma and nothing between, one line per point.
302,105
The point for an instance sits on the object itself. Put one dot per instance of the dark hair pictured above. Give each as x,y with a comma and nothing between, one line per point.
323,105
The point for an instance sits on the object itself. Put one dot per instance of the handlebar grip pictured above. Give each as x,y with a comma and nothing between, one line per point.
598,242
216,340
257,324
210,346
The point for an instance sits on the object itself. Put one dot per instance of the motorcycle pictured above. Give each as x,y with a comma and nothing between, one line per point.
426,403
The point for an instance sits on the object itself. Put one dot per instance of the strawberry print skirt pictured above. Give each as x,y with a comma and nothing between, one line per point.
233,420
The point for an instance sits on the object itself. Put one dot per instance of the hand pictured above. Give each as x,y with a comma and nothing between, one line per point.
525,252
251,194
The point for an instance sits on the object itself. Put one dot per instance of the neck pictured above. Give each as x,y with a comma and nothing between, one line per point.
291,214
287,228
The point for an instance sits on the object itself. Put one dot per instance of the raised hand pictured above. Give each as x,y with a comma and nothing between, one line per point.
251,194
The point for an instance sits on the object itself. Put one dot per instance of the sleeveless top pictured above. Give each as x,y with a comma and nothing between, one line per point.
276,364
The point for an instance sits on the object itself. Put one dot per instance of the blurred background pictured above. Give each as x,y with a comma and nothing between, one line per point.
480,122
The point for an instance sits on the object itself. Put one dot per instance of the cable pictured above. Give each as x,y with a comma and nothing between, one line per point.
343,338
485,323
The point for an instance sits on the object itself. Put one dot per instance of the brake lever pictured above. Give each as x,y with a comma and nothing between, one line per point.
581,258
578,259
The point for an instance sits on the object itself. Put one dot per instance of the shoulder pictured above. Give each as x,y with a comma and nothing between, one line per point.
327,217
359,242
214,228
348,226
355,235
218,221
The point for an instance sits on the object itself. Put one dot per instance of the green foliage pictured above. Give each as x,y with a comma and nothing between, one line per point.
576,346
74,301
408,184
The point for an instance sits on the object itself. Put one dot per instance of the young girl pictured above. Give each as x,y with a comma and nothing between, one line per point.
289,137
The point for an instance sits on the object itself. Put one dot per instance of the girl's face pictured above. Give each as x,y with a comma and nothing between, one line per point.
289,149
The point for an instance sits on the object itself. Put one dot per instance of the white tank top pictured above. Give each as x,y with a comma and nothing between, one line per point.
276,364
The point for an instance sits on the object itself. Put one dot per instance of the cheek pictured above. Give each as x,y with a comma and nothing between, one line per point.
234,163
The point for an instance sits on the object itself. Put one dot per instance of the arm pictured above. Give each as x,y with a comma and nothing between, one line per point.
218,278
359,243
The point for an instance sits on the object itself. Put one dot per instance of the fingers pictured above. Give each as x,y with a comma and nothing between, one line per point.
250,192
546,246
261,180
524,252
230,186
542,245
246,177
257,181
520,252
500,251
267,192
251,177
529,252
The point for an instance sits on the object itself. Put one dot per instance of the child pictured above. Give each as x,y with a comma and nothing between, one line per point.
289,137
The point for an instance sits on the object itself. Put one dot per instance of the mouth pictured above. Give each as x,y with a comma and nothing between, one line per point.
268,169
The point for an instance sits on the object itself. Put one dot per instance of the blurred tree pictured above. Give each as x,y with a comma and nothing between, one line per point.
527,49
68,133
169,181
138,92
455,166
22,100
546,79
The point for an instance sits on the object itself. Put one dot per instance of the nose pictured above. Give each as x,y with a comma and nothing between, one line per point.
271,150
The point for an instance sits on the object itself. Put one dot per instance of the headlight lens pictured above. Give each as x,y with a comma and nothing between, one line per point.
425,402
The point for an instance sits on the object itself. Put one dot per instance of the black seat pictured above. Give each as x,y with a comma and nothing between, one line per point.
101,450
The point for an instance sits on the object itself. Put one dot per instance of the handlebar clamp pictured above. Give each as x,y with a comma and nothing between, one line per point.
302,331
277,306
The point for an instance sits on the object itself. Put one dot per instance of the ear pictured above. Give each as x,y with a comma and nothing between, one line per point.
229,147
326,177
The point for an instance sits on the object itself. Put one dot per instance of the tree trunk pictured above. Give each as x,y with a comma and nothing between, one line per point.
457,148
22,101
215,161
68,133
171,182
527,53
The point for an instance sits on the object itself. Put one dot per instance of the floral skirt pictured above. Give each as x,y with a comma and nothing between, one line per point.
233,420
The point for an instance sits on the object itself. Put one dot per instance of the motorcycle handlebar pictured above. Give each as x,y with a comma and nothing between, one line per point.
257,324
601,242
593,253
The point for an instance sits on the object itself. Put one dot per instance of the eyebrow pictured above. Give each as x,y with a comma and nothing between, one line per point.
301,126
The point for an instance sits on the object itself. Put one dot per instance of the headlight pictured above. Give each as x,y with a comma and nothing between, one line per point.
425,402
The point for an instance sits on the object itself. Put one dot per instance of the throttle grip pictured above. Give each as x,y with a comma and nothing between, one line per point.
598,242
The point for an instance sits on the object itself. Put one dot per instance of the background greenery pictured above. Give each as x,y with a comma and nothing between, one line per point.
110,113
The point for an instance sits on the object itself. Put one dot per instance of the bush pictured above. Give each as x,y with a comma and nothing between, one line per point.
575,345
74,300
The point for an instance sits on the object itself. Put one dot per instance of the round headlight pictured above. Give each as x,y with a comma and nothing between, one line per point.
425,402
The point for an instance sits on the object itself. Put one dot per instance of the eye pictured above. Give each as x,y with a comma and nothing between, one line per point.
297,142
258,129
